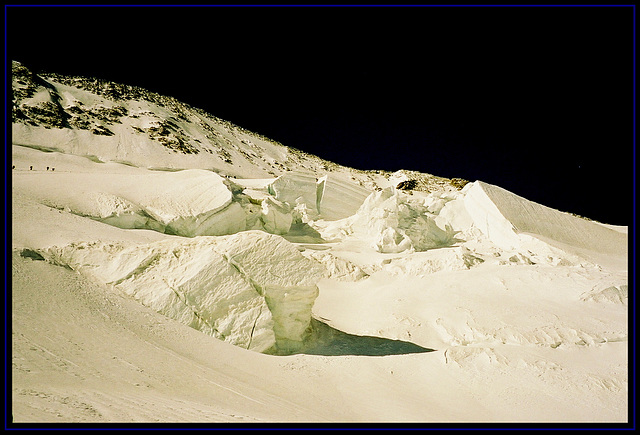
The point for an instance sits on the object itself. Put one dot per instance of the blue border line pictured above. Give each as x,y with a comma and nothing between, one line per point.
6,195
328,5
633,229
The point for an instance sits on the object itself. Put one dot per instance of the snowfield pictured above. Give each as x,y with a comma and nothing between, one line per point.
155,285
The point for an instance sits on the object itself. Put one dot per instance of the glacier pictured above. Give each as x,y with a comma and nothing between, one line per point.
176,267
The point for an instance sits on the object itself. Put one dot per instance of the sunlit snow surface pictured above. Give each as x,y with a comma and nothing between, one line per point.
198,294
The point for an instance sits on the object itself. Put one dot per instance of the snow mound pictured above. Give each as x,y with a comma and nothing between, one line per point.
296,188
191,203
251,289
617,294
188,203
426,263
339,198
508,216
529,232
529,217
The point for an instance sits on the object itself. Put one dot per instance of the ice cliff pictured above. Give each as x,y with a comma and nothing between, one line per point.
251,289
327,197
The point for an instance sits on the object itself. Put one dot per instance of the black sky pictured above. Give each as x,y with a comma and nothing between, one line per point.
538,100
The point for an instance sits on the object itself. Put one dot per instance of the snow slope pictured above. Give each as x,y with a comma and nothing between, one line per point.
216,292
112,122
114,360
563,230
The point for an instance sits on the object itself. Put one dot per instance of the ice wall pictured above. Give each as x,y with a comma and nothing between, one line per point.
328,197
295,188
252,289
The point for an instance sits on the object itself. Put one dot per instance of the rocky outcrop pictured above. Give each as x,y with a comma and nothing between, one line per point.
458,183
407,185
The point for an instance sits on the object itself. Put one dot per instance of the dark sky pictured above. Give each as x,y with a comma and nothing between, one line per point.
538,100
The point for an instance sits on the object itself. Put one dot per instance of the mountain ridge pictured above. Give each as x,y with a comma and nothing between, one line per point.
76,114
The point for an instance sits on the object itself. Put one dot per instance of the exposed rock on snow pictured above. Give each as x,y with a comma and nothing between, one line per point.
421,182
459,183
407,185
116,122
252,289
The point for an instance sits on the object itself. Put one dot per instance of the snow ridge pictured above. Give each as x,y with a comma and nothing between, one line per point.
121,123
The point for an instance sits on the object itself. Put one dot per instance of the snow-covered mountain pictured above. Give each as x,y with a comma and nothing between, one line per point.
112,122
171,266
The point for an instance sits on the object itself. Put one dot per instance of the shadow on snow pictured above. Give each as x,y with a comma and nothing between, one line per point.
328,341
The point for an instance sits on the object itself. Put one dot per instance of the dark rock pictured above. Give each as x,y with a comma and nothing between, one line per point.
407,185
458,183
101,131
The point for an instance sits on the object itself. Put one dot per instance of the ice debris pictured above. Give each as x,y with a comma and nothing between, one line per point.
393,222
